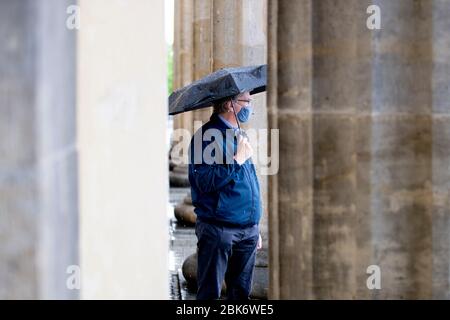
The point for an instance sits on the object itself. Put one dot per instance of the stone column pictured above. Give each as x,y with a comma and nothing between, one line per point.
176,83
122,123
183,55
202,66
183,75
316,217
363,139
319,233
38,158
401,172
441,149
203,50
341,49
290,110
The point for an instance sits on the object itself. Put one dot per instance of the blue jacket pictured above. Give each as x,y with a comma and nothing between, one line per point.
226,193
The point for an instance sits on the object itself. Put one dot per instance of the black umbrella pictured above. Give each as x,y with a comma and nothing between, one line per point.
217,86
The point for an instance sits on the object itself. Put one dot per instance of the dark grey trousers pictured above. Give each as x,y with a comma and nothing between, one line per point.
225,253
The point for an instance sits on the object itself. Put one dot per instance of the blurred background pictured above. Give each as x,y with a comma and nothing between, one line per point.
93,205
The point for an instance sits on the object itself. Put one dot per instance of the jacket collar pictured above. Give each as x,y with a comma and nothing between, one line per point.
218,122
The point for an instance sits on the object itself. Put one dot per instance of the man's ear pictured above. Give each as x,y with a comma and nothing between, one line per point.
229,106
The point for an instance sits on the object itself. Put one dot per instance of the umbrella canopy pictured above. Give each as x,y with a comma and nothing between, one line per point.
219,85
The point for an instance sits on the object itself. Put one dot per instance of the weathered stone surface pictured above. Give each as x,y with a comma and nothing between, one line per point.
290,191
401,171
188,199
363,149
262,257
334,250
401,204
441,150
183,55
363,227
260,283
185,214
38,158
441,206
203,50
189,270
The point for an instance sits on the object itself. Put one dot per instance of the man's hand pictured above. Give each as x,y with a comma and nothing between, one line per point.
259,245
244,150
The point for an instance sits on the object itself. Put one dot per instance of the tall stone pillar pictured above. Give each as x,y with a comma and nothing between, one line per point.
290,110
183,74
340,130
401,172
363,138
202,66
441,149
38,157
176,47
203,50
317,221
122,123
183,55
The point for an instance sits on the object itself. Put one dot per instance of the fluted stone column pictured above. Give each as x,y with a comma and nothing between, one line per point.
441,149
38,157
402,183
340,131
176,61
183,55
290,110
315,220
363,149
202,66
197,34
203,51
183,74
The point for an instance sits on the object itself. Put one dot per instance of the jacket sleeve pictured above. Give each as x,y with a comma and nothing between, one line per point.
211,178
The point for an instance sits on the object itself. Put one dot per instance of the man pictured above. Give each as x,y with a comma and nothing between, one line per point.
226,197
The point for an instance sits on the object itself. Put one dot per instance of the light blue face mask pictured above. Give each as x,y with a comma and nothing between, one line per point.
244,114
